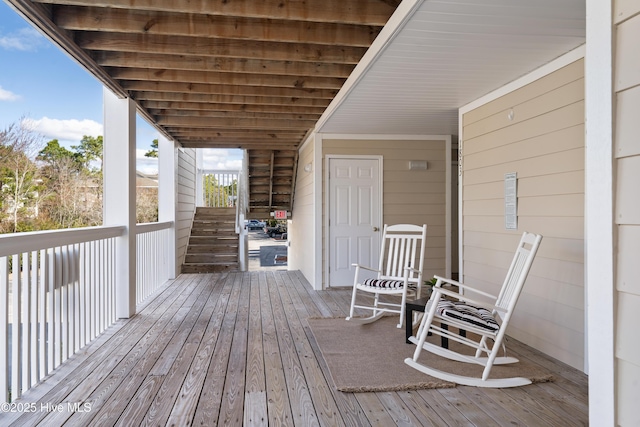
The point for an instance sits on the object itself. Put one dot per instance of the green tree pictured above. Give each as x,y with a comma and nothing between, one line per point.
55,156
73,187
20,186
154,150
90,150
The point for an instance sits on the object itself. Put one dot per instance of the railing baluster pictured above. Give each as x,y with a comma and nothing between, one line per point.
15,329
44,351
35,350
64,309
82,282
76,298
4,329
25,371
51,313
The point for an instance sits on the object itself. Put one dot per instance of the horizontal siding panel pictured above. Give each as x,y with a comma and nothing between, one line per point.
424,210
434,176
534,107
625,9
566,161
571,318
627,210
627,342
553,292
564,205
557,341
485,190
628,390
628,267
554,121
559,183
627,125
561,77
562,140
544,206
414,187
564,250
627,60
566,227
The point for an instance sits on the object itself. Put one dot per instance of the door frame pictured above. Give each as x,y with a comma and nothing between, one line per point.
326,209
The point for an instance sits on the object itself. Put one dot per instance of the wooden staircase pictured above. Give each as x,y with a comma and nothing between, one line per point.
213,244
272,176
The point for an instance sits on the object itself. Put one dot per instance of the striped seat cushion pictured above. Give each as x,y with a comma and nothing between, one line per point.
384,283
479,317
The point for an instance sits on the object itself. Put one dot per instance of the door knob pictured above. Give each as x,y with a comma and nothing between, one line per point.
376,229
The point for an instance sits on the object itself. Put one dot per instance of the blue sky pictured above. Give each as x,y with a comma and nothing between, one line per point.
40,83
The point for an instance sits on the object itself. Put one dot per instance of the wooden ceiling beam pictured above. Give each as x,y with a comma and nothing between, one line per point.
250,108
234,79
229,65
229,99
240,145
247,123
232,114
181,45
227,27
227,89
288,133
362,12
237,140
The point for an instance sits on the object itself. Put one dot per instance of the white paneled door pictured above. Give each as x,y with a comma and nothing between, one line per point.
354,216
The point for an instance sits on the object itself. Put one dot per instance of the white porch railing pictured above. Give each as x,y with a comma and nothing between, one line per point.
57,293
217,188
152,253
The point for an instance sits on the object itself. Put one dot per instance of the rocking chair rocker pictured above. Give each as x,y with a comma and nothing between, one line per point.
486,321
399,272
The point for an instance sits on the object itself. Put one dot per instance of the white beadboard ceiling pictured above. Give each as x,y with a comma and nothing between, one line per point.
444,54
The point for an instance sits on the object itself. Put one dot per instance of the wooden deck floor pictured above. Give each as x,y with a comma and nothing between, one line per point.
234,349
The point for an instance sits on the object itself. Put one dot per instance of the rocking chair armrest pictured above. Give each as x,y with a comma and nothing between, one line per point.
463,286
474,302
365,267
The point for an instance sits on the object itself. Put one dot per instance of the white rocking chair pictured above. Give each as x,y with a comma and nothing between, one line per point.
486,321
399,272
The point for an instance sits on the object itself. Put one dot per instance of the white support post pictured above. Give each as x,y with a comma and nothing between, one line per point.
199,178
599,219
167,171
119,169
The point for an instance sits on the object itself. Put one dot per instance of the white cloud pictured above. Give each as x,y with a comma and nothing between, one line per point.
25,39
222,159
6,95
65,130
148,165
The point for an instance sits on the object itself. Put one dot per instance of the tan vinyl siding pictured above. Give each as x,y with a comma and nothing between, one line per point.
302,228
536,131
409,196
186,200
627,208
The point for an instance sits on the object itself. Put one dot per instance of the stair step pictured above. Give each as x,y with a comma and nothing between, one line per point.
212,232
207,249
213,243
211,259
208,268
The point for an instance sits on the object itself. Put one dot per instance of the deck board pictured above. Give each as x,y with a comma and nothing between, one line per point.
236,349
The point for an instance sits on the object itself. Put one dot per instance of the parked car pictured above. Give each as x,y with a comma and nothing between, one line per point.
277,231
254,224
